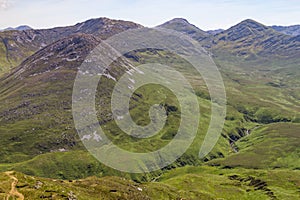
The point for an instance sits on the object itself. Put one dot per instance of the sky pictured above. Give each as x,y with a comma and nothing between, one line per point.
207,15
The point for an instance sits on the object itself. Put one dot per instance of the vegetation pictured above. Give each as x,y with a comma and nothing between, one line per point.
181,183
257,156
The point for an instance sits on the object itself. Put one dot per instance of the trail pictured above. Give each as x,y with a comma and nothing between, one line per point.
13,191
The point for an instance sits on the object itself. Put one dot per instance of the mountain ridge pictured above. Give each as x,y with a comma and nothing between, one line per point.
18,28
248,39
18,45
293,30
251,38
15,46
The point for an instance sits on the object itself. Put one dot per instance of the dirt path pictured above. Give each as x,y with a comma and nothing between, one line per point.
13,191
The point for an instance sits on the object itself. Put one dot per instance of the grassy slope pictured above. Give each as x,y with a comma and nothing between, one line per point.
236,183
57,133
180,183
255,98
269,146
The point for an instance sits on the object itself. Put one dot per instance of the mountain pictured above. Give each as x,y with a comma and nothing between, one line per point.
248,39
38,136
214,32
19,28
18,45
252,57
41,88
251,39
182,25
288,30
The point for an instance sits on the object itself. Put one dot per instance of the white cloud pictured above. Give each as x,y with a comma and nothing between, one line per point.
4,4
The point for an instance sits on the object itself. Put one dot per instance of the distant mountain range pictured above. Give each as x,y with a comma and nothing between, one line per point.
19,28
21,42
248,39
293,30
214,32
289,30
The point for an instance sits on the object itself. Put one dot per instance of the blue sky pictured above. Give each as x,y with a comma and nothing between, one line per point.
209,14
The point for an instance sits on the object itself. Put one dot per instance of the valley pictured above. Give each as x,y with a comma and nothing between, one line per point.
256,157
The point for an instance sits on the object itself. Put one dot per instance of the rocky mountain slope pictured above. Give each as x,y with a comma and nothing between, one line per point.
15,46
251,39
248,39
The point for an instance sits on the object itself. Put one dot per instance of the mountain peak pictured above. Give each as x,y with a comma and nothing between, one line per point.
19,28
183,26
249,26
250,23
246,29
250,38
104,27
178,20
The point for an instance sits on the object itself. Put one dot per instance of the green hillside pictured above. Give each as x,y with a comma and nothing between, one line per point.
183,183
256,157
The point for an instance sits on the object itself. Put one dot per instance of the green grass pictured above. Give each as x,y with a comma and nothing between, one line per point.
200,182
234,183
36,123
26,134
269,146
90,188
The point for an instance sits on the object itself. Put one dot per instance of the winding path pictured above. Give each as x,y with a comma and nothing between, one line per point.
13,191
